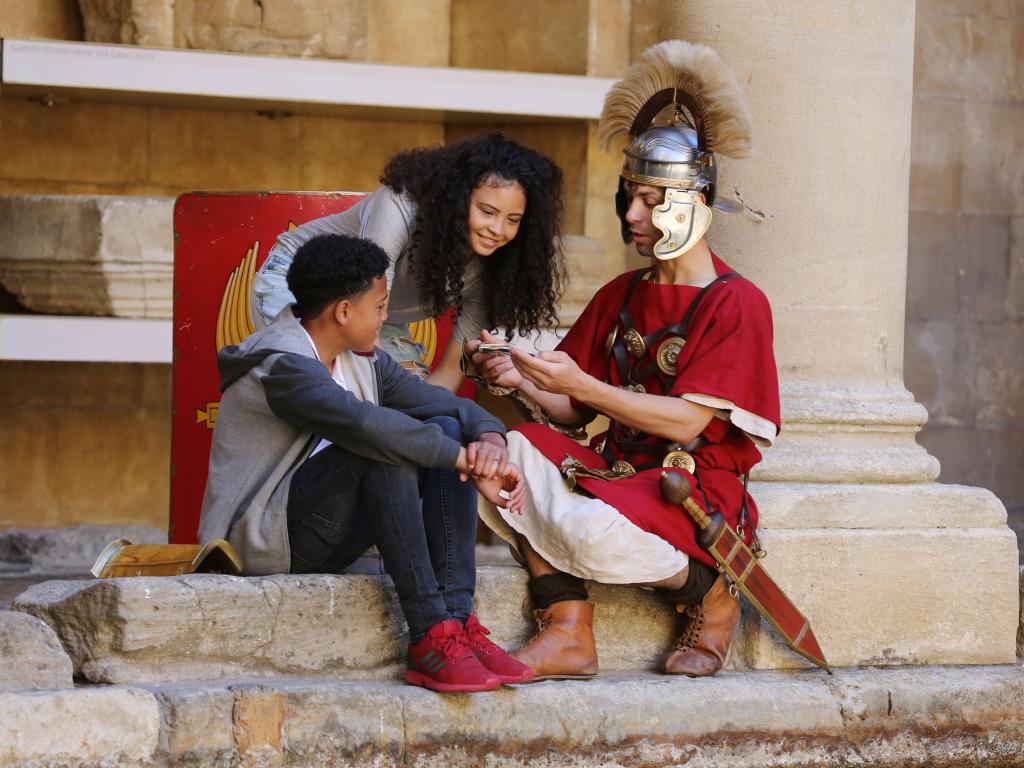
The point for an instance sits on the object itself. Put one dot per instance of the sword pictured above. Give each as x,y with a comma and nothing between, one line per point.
744,570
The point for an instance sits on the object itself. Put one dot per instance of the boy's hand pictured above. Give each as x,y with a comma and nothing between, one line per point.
487,457
511,482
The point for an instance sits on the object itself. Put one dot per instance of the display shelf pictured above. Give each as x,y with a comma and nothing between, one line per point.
53,70
84,339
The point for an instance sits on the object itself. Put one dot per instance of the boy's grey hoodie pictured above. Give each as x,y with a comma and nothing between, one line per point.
279,400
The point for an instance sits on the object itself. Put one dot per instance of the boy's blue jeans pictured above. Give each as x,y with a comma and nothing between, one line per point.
422,521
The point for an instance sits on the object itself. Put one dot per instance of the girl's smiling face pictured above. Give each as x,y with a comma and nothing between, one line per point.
495,210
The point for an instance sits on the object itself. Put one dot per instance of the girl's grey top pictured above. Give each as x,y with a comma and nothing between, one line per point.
386,218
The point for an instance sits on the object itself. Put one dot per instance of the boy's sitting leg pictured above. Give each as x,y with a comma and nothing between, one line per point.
450,521
341,503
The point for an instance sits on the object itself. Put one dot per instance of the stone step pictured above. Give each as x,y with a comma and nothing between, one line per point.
936,717
146,630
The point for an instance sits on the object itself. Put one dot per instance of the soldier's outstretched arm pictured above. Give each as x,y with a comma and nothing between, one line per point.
673,418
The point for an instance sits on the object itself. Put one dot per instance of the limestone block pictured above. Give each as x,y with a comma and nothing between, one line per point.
32,655
563,717
493,36
196,724
392,23
993,172
334,29
889,574
198,627
54,19
109,726
970,56
935,717
74,144
957,266
1015,292
75,548
88,255
928,715
585,260
895,597
1020,625
129,22
344,153
188,150
847,433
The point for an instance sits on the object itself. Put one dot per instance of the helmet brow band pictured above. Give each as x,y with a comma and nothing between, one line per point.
657,181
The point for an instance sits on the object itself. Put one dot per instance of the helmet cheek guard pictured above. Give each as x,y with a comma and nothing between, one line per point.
683,220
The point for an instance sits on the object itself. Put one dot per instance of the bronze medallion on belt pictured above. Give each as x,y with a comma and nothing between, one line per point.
680,460
668,352
634,342
623,468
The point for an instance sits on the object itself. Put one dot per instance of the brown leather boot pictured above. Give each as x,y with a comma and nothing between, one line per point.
707,633
564,644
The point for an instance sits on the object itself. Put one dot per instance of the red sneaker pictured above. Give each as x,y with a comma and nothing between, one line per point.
443,661
492,657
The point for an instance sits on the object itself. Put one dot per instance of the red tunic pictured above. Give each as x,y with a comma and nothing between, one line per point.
728,355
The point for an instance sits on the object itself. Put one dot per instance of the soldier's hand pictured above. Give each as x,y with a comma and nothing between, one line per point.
554,372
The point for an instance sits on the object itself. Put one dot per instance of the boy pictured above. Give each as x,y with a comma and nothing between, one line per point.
324,446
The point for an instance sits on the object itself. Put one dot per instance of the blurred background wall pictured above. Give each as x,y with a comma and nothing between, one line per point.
89,442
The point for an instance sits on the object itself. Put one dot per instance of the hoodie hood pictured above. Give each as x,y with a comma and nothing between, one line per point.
284,335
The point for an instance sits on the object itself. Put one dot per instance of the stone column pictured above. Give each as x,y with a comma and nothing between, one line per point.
889,566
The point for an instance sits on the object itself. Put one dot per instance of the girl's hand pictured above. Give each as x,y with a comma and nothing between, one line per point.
496,368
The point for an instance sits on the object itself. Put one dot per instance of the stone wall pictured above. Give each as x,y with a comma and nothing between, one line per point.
53,19
965,291
84,443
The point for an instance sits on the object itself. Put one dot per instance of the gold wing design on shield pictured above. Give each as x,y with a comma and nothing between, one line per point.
425,332
234,318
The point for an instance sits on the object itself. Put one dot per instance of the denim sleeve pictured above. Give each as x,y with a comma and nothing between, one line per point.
270,292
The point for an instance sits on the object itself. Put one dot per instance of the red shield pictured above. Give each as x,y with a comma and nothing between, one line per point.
220,240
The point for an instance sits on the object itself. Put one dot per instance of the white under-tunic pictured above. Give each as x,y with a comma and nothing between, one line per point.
575,533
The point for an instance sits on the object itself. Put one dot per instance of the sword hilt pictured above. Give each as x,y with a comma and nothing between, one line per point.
675,489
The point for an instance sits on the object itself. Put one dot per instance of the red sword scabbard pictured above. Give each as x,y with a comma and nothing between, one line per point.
746,572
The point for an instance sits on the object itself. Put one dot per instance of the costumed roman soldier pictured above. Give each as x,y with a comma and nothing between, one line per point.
678,356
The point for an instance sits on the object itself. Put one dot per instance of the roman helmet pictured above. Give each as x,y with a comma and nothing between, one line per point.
707,112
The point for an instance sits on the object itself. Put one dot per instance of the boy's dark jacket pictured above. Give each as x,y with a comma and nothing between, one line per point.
279,400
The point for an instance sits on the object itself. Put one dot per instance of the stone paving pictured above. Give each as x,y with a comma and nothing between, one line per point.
898,717
225,671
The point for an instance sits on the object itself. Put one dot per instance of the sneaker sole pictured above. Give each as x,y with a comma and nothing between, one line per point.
417,678
510,680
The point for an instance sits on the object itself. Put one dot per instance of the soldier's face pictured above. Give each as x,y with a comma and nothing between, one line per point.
643,199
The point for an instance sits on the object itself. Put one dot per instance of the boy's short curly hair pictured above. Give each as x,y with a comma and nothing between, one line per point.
330,268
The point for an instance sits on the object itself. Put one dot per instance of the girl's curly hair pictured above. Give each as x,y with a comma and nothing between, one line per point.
524,279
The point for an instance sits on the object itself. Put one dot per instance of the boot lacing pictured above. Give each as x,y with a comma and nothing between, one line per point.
543,622
688,640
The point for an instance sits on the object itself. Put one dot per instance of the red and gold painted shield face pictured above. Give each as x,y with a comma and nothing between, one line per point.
220,242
